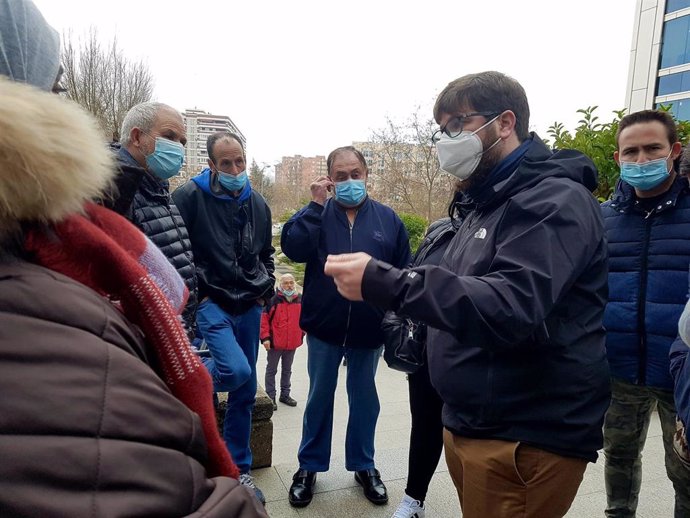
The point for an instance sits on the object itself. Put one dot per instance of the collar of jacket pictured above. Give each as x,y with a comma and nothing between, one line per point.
341,211
625,201
480,195
151,186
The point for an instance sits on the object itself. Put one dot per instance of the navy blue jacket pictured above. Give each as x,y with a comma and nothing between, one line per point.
680,368
515,307
316,231
231,239
649,255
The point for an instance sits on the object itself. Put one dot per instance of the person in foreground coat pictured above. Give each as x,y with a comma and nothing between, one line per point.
514,309
105,410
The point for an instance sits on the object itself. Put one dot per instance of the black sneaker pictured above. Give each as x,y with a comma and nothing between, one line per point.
275,405
287,400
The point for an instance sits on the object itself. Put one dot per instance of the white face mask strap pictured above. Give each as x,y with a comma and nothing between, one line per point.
486,124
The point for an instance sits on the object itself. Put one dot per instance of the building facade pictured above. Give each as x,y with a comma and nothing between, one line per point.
659,71
199,125
299,171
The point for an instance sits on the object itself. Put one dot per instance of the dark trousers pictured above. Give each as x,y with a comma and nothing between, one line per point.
285,358
426,437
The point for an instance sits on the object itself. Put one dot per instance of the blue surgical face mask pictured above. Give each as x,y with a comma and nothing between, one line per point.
232,182
288,293
350,193
166,159
646,176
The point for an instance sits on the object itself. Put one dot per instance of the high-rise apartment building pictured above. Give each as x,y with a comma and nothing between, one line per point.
299,171
660,57
199,125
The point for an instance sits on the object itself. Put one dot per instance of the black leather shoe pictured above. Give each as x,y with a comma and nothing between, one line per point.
287,400
374,489
302,488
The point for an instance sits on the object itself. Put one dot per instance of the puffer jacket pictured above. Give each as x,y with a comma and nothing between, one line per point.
87,427
146,202
515,307
649,255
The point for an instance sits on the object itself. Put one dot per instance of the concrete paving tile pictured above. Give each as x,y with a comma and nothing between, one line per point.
588,505
268,480
281,509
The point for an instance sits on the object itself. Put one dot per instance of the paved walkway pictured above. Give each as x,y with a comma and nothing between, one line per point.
338,495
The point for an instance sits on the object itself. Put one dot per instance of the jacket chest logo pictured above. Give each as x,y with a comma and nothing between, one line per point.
480,234
378,235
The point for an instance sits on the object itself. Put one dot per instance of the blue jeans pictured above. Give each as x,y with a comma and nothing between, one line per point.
233,341
323,362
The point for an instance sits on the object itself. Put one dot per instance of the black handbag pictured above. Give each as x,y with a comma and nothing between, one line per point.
404,343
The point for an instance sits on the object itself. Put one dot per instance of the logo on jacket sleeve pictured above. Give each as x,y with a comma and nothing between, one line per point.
480,234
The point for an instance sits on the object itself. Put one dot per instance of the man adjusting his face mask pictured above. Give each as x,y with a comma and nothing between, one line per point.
460,155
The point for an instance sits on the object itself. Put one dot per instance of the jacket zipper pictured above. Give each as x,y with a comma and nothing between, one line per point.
349,306
641,306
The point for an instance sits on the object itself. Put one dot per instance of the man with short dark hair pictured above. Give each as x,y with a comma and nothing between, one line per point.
230,228
647,225
348,221
514,309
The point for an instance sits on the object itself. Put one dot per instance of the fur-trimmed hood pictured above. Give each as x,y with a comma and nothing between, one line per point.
52,156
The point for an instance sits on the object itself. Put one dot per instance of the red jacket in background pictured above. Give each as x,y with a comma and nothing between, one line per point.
280,322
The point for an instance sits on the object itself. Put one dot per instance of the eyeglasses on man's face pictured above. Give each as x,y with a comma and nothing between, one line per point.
455,125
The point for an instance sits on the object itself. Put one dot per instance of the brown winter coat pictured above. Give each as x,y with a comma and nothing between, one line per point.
87,427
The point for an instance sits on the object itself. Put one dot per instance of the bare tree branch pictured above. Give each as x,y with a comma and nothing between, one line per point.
103,81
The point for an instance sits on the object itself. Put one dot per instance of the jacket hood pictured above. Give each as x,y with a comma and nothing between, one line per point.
203,180
52,158
538,163
29,47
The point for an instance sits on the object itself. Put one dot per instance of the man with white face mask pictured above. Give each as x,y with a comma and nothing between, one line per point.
514,309
647,224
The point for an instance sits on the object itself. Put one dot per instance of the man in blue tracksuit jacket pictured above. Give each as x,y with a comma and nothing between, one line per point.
647,225
350,221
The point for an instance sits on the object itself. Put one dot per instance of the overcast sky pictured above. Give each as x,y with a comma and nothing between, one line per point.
304,77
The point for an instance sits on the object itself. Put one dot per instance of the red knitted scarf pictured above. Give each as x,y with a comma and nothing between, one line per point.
108,254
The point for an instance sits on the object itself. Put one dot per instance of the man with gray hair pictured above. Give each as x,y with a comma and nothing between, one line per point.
152,152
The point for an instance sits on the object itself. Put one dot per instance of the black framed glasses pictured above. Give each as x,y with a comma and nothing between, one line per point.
457,124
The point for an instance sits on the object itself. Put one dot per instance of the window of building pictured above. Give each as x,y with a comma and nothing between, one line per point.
680,108
673,83
676,5
675,49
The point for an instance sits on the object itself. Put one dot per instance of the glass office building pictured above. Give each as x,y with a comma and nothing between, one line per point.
660,57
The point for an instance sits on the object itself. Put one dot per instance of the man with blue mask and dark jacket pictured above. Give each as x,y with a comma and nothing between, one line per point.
151,152
229,225
349,221
514,309
647,225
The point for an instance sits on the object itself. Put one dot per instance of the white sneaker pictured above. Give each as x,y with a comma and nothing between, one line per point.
409,508
247,480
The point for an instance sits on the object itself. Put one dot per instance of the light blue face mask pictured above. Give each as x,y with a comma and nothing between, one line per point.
166,159
288,293
350,193
231,182
645,176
